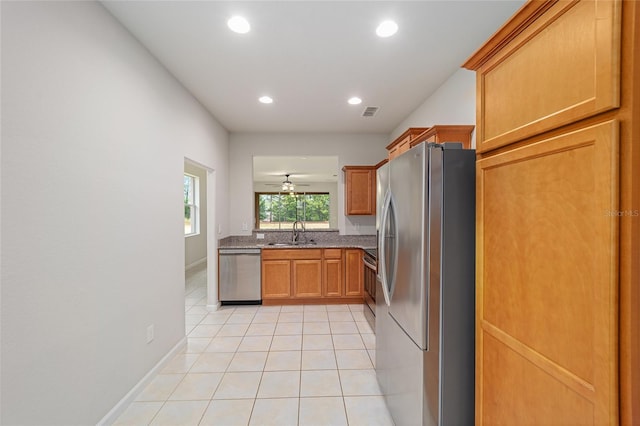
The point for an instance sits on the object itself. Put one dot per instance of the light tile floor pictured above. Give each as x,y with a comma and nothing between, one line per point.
266,365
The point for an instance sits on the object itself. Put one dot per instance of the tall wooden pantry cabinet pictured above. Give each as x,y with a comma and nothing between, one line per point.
558,216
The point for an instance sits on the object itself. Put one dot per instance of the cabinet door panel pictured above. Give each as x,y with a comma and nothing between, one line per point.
544,399
307,278
577,78
354,272
333,277
547,277
360,183
276,279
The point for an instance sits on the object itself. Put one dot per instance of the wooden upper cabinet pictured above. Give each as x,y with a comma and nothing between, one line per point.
360,190
446,133
403,142
565,64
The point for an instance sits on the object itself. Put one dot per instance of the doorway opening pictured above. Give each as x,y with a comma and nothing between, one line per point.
200,242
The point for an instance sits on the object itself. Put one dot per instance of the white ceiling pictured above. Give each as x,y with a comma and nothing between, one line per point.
311,56
299,168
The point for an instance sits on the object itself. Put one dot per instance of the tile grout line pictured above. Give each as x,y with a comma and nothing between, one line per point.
306,314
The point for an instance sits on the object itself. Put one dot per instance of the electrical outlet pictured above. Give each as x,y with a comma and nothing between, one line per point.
150,333
260,236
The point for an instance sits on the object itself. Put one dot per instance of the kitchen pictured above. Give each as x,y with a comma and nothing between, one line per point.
84,81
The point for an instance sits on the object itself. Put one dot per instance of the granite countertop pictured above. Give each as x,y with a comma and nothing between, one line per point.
282,240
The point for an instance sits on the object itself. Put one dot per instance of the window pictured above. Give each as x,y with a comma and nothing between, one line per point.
277,210
191,201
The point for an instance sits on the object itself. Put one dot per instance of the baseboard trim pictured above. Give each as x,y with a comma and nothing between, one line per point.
196,263
122,405
213,308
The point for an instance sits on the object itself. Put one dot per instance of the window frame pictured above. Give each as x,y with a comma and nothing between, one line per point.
256,203
194,205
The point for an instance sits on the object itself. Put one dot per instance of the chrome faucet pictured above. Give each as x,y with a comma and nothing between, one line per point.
295,237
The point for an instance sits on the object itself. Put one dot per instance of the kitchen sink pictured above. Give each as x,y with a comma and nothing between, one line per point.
295,243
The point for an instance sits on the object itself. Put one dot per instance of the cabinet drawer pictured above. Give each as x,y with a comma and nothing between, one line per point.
335,253
289,254
576,79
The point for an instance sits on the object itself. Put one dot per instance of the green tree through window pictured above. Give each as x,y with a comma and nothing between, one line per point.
280,210
191,213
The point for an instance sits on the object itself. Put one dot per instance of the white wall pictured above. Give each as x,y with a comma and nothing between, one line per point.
94,136
195,246
351,149
452,103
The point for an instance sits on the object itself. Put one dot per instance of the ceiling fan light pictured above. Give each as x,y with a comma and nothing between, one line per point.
287,185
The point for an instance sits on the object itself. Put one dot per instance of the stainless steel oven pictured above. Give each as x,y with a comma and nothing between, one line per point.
369,259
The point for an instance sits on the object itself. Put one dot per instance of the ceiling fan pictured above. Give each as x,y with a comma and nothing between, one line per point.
287,185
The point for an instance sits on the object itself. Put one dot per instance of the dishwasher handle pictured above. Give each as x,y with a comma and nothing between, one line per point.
239,251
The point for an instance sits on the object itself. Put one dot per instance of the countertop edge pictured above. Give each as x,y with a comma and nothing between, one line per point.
295,246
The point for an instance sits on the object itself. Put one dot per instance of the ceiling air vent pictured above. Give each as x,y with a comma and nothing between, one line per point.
370,111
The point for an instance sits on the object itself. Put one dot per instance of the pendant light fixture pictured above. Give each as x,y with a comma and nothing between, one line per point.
287,185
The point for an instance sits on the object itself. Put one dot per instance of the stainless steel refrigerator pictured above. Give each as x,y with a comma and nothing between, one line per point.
426,256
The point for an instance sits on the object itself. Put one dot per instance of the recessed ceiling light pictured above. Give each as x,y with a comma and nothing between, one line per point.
387,29
355,100
239,24
266,99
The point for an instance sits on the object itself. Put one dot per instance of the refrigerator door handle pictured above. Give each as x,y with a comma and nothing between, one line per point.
387,277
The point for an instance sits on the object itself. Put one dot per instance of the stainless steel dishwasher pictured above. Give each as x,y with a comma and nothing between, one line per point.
240,276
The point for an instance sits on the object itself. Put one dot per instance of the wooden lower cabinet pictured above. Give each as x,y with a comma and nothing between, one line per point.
307,278
547,282
276,279
311,276
333,273
354,272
